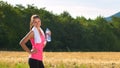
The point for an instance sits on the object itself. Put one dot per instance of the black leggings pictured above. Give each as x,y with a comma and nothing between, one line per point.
35,63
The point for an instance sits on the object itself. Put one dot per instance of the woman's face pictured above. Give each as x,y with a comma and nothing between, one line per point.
37,22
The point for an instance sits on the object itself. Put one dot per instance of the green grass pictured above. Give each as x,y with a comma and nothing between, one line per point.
13,65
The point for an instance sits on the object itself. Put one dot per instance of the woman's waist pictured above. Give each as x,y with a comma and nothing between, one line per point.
38,49
38,52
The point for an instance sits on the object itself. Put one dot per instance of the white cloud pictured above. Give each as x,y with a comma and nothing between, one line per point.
88,12
86,8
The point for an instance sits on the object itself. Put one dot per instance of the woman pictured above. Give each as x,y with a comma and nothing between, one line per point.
37,39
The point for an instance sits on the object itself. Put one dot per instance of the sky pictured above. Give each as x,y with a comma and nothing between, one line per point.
87,8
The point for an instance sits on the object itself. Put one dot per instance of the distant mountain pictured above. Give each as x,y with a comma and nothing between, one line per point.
114,15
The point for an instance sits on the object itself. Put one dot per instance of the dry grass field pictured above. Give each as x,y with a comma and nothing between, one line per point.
13,59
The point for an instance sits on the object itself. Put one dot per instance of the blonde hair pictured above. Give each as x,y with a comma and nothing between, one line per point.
32,19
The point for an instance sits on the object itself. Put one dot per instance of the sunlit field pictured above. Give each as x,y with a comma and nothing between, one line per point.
13,59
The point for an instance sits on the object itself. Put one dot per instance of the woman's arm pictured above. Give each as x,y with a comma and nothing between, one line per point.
25,40
45,43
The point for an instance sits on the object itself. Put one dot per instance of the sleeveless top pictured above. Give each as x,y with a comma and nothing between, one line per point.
38,43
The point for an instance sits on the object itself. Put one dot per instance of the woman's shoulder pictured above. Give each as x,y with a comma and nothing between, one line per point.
31,34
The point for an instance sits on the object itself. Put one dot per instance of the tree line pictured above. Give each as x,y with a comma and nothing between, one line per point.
68,33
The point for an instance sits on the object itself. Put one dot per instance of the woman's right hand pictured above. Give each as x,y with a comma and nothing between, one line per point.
33,51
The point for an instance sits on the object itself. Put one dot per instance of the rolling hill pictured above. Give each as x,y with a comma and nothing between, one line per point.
114,15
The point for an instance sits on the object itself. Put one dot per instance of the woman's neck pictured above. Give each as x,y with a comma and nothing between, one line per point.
37,27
